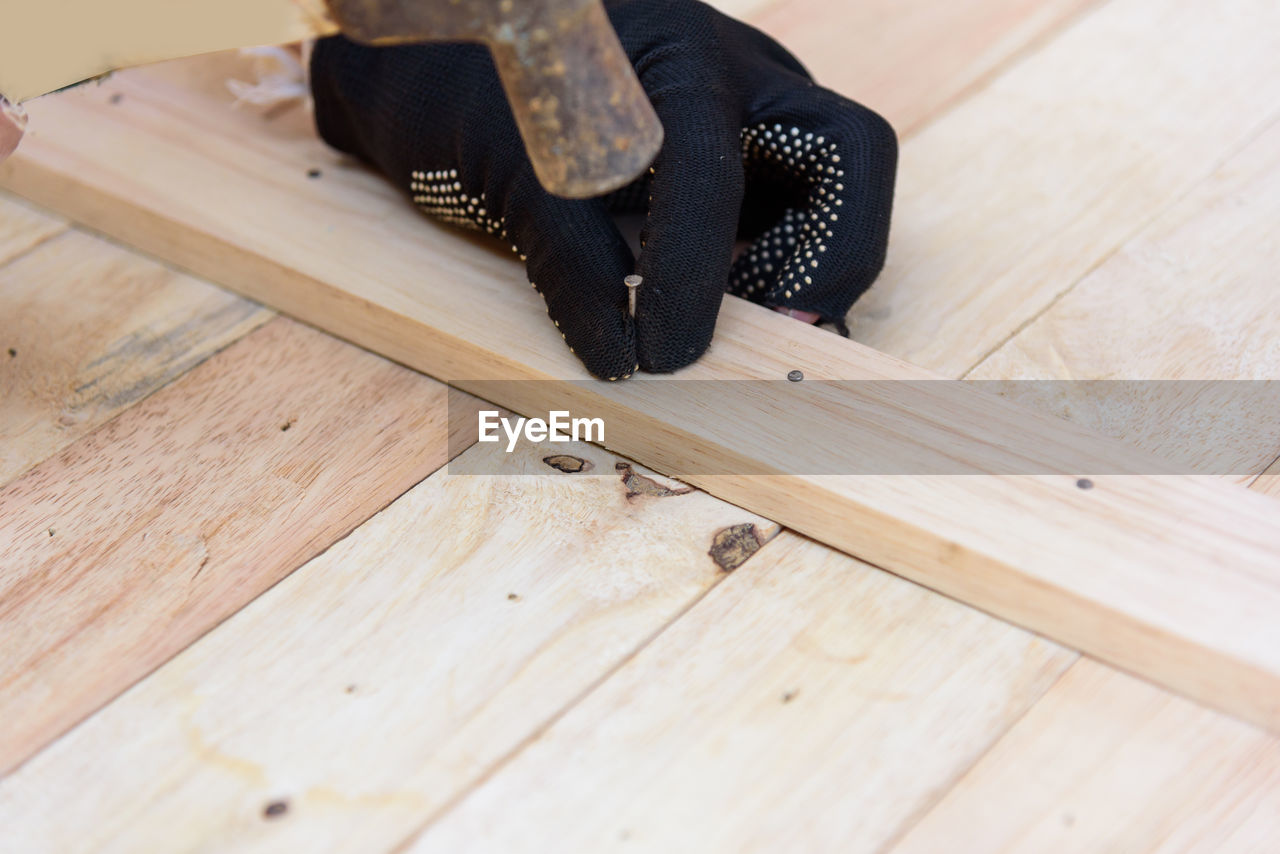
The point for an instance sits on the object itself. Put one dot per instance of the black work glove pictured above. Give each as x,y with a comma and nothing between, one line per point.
753,149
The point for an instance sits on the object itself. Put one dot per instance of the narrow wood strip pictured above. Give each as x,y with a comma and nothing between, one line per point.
135,540
22,227
809,703
909,59
1171,578
383,678
89,329
1108,763
1007,201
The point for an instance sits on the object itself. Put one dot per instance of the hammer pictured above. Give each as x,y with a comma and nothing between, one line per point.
587,124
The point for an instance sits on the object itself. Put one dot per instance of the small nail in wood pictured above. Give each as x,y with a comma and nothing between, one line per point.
633,285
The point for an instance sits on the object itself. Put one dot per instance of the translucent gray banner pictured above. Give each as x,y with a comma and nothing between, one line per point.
882,427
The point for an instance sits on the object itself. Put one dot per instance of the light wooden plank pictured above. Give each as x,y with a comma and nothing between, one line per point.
138,538
89,329
381,679
22,228
1007,201
1105,762
1174,579
1108,763
809,703
909,59
1192,297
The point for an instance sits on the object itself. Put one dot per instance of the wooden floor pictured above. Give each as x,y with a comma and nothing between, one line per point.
243,606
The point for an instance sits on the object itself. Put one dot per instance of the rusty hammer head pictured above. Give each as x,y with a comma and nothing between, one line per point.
587,125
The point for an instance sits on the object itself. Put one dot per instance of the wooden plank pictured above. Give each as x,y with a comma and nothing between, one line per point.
1200,278
1007,201
22,228
138,538
1105,762
809,703
909,59
1108,763
1170,578
380,680
91,328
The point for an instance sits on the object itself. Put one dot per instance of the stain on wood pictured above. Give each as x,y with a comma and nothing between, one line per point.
731,547
638,484
99,328
568,463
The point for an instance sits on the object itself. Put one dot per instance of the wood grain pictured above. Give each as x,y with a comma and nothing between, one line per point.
93,328
1108,763
809,703
137,539
380,680
909,59
1007,201
1167,577
22,227
1105,762
1192,297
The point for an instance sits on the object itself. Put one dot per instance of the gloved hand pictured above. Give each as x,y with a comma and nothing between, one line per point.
753,148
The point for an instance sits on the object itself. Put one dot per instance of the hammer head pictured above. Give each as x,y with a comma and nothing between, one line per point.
587,124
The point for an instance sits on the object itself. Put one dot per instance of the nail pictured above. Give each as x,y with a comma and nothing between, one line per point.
633,285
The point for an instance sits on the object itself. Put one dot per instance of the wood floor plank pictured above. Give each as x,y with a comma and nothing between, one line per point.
22,227
909,59
1192,297
808,703
384,677
1006,202
91,328
135,540
362,264
1106,762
